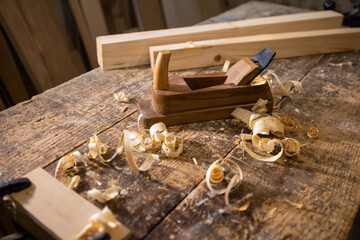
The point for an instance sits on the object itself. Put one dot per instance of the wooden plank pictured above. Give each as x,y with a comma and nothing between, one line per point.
149,14
47,198
91,23
123,50
324,178
291,44
35,32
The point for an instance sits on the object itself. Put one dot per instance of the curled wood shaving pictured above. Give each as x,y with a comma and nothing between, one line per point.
172,146
128,151
121,97
242,114
105,195
264,158
68,162
96,149
217,174
312,133
266,125
291,147
103,221
285,90
260,106
245,200
215,167
226,66
74,182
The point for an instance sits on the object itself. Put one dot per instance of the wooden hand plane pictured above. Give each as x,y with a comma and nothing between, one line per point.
205,97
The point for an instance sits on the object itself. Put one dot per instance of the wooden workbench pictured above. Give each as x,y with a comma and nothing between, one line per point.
171,200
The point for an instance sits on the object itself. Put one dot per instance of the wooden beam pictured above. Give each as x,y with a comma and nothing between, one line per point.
124,50
91,23
292,44
57,209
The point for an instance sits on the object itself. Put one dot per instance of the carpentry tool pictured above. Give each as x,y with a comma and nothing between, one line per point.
14,185
205,97
18,184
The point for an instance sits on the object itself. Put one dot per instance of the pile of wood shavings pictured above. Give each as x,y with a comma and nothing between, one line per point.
158,139
267,133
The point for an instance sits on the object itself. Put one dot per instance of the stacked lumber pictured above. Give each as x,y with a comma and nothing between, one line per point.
124,50
91,23
37,36
293,44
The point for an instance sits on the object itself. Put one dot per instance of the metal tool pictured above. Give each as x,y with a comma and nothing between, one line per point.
14,185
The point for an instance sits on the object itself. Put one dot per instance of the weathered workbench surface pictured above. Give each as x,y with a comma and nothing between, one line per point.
171,200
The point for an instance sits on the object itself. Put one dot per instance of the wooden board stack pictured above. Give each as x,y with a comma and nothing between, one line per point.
289,35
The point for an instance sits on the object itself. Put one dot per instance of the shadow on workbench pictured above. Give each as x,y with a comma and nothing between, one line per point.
355,229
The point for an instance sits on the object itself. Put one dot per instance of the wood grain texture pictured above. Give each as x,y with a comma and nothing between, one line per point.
46,128
290,44
324,178
123,50
91,23
47,197
37,36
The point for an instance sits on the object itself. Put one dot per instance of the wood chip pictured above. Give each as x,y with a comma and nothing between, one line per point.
74,182
102,222
103,195
68,162
295,205
312,133
121,97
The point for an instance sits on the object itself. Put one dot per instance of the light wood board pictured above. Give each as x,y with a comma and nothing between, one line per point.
124,50
59,210
292,44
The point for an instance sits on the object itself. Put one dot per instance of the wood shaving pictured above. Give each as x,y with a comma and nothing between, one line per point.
242,114
291,147
295,205
103,221
217,174
265,126
97,149
68,162
312,133
121,97
124,109
195,161
264,158
285,90
210,174
290,124
260,106
129,156
104,195
226,66
74,182
245,200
